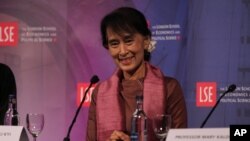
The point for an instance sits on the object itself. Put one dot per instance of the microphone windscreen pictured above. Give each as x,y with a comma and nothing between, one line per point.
231,88
94,79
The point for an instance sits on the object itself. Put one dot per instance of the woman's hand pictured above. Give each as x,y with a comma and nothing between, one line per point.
118,136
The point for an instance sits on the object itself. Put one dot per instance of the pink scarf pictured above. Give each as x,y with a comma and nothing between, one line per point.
108,108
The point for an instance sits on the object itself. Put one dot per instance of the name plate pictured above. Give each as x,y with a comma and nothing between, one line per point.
13,133
199,134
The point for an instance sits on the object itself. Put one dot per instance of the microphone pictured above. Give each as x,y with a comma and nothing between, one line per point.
231,88
93,80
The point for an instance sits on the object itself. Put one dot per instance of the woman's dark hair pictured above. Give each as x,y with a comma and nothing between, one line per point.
125,19
7,87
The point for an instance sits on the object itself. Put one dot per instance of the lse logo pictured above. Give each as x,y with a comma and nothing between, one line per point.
8,33
205,94
81,88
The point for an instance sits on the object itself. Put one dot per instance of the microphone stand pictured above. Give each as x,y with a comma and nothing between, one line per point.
230,89
94,80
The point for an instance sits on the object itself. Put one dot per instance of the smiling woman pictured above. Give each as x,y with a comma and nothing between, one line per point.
127,51
126,36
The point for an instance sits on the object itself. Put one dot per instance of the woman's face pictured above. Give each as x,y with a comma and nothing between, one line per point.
127,50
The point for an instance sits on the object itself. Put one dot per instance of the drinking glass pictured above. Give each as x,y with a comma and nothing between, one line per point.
161,125
35,123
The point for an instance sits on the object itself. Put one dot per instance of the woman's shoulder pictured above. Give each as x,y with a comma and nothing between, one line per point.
171,80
